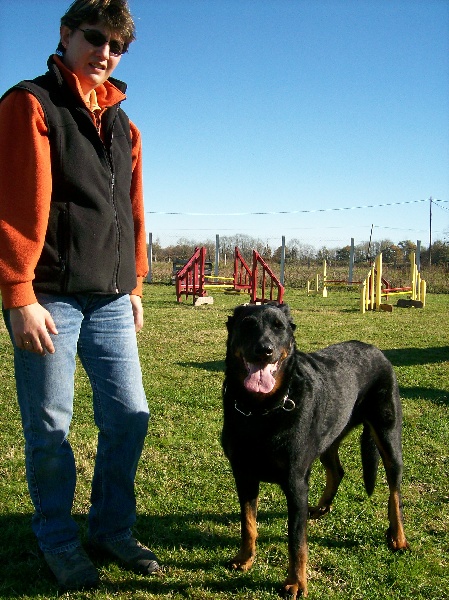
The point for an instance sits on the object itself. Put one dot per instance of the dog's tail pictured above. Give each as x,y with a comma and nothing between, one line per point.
370,459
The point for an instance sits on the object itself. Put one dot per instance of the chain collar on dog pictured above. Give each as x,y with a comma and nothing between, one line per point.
287,404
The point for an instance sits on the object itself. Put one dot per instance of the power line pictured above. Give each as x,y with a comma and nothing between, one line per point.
289,212
439,206
244,229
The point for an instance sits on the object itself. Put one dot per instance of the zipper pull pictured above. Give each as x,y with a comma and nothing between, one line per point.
97,118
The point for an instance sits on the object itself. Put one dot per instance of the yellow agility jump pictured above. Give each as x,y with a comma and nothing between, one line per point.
328,282
375,288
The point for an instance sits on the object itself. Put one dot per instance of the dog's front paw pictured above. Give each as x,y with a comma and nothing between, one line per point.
316,512
396,544
293,590
241,563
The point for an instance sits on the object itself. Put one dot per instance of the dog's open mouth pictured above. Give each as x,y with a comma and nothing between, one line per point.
260,378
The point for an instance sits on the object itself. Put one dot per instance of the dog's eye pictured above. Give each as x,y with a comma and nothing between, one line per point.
249,323
278,324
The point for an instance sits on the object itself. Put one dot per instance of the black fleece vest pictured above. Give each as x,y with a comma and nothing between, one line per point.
89,245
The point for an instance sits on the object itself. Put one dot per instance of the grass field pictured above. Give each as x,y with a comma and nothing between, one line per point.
188,512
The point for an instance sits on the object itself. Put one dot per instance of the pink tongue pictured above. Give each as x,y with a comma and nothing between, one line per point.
259,379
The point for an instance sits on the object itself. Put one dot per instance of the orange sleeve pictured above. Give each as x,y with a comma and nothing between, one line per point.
138,210
25,194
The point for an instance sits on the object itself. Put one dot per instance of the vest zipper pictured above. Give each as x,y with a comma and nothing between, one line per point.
63,248
108,154
117,224
118,232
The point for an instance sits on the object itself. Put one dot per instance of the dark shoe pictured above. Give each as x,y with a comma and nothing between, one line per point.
131,553
73,569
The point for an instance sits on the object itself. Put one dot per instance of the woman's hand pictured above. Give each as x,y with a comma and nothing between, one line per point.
30,326
136,303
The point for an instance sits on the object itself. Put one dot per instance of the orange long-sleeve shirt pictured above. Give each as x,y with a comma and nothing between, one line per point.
26,187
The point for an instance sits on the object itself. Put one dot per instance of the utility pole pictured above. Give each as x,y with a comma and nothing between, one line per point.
217,254
430,233
369,246
351,261
150,258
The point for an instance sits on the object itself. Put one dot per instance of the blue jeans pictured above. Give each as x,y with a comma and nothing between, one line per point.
100,329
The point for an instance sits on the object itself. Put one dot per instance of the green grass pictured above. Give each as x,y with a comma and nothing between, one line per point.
187,504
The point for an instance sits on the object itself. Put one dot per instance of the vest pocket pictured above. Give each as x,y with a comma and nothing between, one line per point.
52,265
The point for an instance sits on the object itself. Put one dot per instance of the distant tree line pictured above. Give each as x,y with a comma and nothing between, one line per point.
299,252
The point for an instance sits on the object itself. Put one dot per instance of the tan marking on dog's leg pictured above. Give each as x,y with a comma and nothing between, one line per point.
324,504
296,583
243,561
334,475
396,535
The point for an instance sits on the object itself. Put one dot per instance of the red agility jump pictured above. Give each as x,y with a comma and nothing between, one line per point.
259,282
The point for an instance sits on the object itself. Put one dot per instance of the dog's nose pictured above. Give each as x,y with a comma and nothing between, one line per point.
264,351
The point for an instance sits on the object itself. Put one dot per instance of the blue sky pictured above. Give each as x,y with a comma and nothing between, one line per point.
293,109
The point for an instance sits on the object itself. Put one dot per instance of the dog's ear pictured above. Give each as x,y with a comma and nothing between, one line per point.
286,310
235,316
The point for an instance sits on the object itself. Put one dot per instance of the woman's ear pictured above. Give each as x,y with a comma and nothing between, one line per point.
65,33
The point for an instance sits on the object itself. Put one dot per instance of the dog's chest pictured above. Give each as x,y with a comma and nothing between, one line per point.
259,446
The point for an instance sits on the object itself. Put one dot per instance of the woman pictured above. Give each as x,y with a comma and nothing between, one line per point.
72,262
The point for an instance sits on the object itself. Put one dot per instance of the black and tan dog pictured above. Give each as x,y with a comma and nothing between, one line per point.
284,408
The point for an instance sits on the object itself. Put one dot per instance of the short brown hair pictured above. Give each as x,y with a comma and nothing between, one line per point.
115,14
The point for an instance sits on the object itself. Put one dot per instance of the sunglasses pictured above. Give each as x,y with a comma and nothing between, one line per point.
96,38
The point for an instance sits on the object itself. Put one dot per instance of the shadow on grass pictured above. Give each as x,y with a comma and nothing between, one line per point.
405,357
212,366
400,357
23,571
436,396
